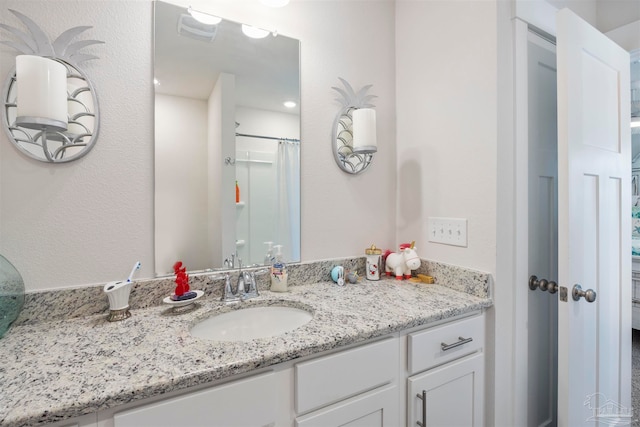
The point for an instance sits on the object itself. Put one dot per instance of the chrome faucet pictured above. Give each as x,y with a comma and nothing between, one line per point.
245,288
228,295
250,282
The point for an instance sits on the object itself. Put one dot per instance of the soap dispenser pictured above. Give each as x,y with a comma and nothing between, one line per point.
268,258
278,272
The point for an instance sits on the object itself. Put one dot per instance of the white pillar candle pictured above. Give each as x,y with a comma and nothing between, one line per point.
364,131
41,92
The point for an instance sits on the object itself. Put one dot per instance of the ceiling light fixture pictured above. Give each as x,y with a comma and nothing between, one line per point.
156,82
274,3
254,32
204,18
289,104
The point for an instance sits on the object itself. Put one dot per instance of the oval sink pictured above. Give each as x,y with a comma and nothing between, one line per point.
247,324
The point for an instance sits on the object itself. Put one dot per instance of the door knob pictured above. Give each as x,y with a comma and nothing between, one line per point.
577,293
543,284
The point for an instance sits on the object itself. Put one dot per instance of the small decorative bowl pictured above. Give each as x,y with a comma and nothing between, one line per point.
183,303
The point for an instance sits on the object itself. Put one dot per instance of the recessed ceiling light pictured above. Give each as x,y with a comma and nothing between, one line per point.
204,18
275,3
156,82
254,32
289,104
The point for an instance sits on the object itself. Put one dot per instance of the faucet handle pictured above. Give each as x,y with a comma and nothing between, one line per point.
230,261
252,290
227,293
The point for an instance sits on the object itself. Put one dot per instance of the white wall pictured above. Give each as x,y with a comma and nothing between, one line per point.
447,132
89,221
221,200
446,82
180,182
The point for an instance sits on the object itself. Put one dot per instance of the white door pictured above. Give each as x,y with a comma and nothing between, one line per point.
542,307
594,339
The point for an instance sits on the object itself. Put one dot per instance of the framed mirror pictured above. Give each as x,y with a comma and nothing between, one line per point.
227,149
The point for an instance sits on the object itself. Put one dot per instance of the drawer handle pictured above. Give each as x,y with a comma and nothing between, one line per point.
461,341
423,397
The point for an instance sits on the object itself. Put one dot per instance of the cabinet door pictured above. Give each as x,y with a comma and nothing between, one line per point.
376,408
246,402
453,394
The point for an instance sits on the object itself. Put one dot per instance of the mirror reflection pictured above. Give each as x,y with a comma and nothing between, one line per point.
227,148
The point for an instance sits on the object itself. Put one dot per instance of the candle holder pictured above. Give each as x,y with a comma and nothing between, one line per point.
46,136
354,153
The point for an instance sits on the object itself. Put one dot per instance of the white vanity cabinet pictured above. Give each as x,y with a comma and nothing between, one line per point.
362,385
355,387
446,375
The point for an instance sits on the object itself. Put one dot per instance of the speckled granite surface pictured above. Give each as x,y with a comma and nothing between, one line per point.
58,369
91,300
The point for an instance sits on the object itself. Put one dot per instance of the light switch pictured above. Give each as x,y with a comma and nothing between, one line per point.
449,231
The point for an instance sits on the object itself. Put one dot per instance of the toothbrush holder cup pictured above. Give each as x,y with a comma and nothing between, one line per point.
118,294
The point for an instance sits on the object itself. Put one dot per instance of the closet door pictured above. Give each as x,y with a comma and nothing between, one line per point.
594,171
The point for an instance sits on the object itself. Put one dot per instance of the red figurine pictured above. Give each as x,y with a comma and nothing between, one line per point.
182,279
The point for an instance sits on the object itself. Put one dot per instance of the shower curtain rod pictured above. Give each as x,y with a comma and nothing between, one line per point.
268,137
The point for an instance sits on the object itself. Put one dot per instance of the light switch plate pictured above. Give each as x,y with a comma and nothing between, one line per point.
449,231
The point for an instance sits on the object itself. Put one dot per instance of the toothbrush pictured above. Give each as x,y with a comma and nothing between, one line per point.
136,266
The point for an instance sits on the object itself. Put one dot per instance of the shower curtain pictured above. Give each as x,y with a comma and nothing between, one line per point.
288,197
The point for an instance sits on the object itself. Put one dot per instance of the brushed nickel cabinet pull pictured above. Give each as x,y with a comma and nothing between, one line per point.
423,396
461,341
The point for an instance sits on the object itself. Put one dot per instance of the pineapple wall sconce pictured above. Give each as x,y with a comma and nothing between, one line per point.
51,109
354,129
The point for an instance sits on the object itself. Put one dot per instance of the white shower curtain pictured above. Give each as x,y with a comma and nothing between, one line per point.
288,196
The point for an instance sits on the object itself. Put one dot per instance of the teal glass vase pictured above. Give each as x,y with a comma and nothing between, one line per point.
11,294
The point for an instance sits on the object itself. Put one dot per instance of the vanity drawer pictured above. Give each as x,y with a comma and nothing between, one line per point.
329,379
462,337
249,401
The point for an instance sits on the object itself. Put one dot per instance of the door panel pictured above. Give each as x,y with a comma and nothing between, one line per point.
594,365
543,226
453,393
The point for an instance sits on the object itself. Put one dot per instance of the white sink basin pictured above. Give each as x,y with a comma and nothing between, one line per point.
247,324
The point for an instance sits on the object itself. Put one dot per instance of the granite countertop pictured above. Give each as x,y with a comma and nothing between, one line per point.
66,368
